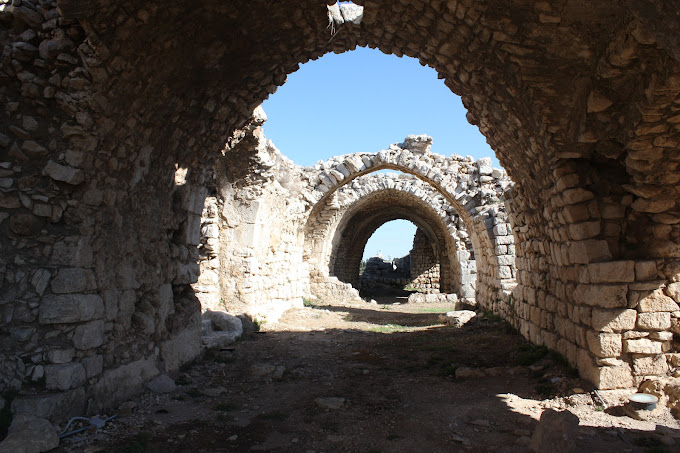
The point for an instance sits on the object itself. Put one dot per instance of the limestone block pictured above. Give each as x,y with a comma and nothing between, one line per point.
673,291
64,376
63,173
642,346
604,344
504,272
646,366
603,296
73,280
73,251
58,309
89,336
654,321
61,355
613,320
584,230
93,365
589,251
604,377
645,270
612,272
576,213
657,301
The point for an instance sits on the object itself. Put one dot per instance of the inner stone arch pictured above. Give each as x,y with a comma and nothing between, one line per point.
331,221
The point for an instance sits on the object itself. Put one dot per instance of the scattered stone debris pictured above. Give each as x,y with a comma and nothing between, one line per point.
457,318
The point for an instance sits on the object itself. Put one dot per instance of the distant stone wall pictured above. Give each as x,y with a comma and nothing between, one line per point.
424,265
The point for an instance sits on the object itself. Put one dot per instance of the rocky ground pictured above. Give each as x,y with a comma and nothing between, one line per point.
379,377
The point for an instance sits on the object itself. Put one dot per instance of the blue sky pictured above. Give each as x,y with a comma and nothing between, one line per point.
362,101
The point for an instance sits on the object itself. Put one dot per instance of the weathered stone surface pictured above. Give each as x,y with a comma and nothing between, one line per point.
654,321
605,344
64,173
589,251
161,384
457,318
183,348
121,383
220,329
673,291
61,355
29,434
89,335
657,301
612,272
70,308
642,346
613,320
64,376
556,432
603,296
646,366
73,280
52,406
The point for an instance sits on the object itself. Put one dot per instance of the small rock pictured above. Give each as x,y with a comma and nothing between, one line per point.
578,390
161,384
125,408
278,372
232,438
330,403
262,369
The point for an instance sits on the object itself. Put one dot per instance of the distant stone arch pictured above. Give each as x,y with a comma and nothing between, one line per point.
472,191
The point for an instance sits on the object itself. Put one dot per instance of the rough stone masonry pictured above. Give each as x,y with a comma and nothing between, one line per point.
117,120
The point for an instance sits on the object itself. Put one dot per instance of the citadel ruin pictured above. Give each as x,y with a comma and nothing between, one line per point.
137,189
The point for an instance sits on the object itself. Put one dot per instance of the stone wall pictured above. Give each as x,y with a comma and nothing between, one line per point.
424,265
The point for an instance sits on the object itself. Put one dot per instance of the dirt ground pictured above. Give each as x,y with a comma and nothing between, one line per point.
373,378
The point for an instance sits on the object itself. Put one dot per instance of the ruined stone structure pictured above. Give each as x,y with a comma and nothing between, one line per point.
113,116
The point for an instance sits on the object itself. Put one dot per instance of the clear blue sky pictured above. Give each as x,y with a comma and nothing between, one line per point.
362,101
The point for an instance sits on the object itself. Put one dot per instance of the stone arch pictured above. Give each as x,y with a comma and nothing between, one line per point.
112,124
324,226
472,189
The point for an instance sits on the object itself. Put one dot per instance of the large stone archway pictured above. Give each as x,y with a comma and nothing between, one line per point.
113,109
463,237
